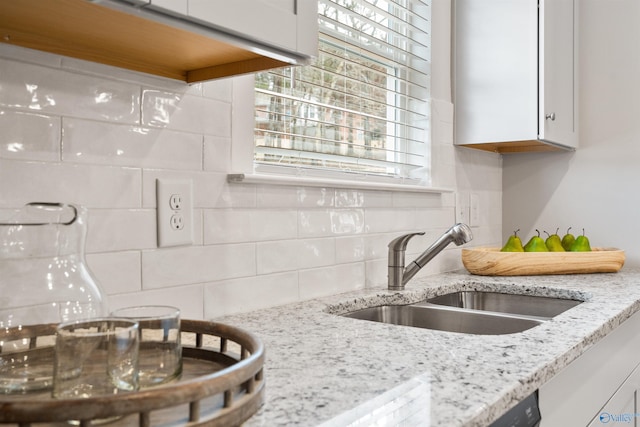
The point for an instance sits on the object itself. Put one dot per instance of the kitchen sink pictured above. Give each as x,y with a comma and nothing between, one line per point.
471,312
528,305
444,318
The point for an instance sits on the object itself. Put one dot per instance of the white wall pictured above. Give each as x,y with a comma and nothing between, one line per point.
73,131
596,187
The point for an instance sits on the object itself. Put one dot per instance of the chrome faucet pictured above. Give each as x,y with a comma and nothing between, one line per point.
399,275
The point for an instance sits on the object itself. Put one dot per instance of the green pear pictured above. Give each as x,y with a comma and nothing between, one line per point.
567,240
553,242
514,244
536,244
581,244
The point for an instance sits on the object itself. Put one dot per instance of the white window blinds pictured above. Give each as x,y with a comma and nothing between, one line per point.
362,106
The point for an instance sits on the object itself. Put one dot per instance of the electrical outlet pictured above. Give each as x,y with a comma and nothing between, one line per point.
175,202
474,210
462,207
174,212
177,222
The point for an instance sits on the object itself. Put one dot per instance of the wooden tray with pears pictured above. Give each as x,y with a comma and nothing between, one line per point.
569,255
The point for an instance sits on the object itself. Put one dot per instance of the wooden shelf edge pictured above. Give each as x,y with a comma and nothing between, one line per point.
232,69
507,147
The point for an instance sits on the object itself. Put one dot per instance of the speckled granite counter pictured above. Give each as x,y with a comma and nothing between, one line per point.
323,369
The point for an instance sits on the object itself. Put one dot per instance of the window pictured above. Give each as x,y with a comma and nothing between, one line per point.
361,110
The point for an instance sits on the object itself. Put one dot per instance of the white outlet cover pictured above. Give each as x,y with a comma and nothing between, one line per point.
462,207
474,210
167,210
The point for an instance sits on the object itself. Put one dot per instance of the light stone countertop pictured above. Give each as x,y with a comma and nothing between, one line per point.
324,369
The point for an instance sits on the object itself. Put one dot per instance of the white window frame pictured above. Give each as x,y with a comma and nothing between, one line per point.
242,152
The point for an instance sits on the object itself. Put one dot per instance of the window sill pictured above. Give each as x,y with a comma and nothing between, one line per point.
240,178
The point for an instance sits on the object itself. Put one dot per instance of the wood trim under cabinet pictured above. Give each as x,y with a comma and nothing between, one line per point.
534,146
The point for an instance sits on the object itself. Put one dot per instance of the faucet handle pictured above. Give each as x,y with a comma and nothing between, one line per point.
400,243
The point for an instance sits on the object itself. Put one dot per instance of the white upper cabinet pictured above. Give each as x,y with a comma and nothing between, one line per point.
558,72
515,74
175,6
189,40
282,24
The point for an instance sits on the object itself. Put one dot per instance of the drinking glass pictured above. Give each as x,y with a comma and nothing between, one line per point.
160,359
95,357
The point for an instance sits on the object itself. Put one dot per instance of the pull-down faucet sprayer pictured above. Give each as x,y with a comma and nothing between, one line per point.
399,275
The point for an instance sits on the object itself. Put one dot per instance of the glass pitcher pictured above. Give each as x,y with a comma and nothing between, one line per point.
44,280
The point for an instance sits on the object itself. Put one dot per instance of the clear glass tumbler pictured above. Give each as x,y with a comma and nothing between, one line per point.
160,345
97,357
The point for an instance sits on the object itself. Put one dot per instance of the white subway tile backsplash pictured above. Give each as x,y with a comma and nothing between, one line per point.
106,143
350,249
217,153
216,193
187,298
442,218
158,107
277,196
29,136
328,222
420,200
349,198
227,226
221,89
347,221
116,272
376,245
390,220
377,199
251,293
316,253
91,186
246,225
278,256
486,236
168,267
319,282
186,113
121,229
376,272
313,223
38,88
289,255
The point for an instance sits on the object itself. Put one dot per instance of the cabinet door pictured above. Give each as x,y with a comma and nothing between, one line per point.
175,6
621,408
557,118
607,372
272,22
496,71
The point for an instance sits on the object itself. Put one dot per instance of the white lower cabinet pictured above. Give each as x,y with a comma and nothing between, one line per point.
602,382
622,407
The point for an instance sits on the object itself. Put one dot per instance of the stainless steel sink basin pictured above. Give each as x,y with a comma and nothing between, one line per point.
445,319
528,305
471,312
